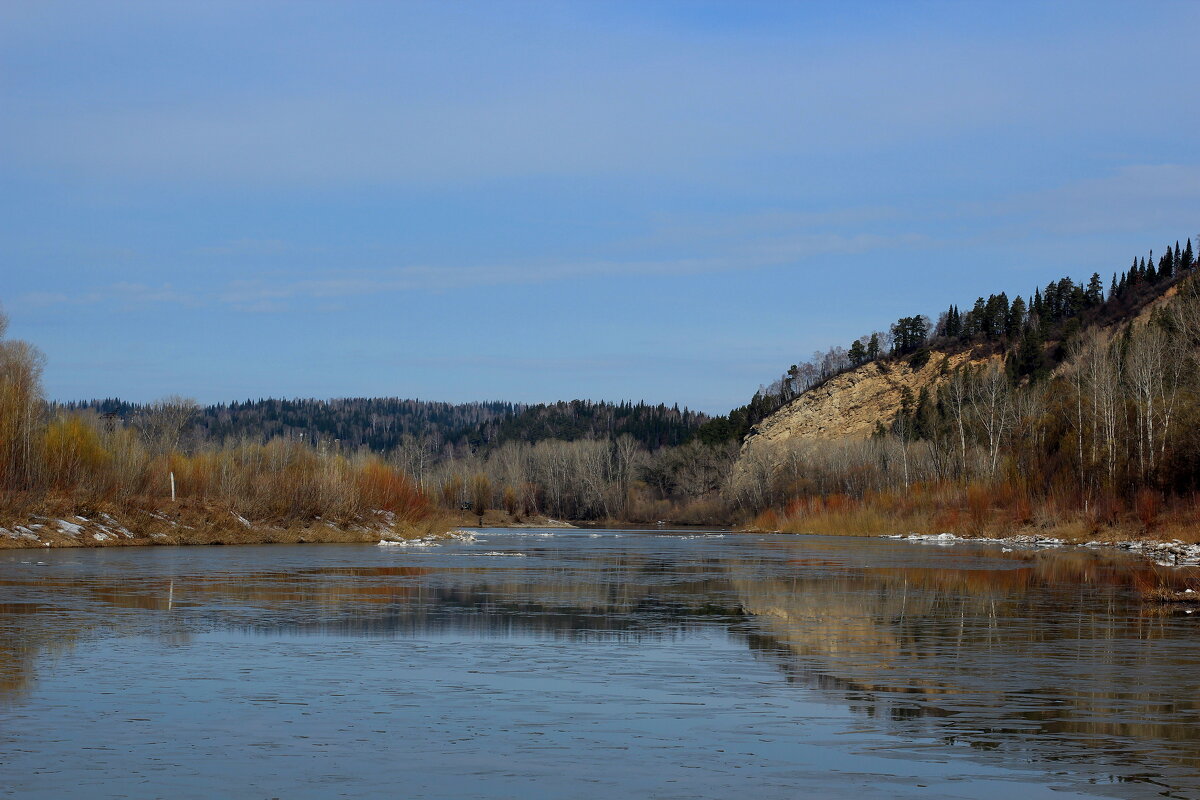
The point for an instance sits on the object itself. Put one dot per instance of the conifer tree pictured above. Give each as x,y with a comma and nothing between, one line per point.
1016,319
1029,360
858,353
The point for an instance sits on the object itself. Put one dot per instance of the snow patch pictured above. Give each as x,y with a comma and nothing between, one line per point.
69,528
1174,553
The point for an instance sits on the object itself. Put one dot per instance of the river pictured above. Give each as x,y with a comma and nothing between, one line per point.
595,664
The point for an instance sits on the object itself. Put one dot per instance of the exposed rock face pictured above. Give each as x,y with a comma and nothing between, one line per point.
853,403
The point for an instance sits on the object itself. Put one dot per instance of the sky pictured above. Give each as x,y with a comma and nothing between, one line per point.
658,201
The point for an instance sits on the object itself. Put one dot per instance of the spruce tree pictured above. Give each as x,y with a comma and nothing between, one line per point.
1095,291
1029,360
1016,319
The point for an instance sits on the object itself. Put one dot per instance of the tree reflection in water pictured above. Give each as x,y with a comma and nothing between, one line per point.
1043,656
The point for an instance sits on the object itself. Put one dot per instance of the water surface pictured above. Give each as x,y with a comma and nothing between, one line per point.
594,664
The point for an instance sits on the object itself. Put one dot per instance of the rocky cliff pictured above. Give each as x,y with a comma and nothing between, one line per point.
853,403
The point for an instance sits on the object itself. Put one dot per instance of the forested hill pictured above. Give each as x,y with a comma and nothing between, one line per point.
385,424
653,426
1032,334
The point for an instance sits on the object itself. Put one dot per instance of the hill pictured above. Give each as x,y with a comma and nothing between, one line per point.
1078,408
384,425
855,391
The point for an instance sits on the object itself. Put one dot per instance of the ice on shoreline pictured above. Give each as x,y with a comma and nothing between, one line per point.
456,535
1174,553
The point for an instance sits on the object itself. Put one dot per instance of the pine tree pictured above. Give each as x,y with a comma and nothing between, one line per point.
1095,291
858,353
1189,259
873,347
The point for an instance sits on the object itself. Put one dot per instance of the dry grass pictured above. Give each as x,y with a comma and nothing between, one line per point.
190,522
983,511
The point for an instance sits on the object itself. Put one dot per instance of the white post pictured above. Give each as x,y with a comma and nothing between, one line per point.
172,487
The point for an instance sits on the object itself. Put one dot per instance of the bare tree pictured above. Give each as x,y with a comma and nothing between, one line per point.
991,401
163,422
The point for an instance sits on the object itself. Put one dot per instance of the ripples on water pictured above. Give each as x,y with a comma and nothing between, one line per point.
594,664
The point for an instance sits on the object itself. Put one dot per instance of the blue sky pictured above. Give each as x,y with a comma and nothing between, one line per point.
540,201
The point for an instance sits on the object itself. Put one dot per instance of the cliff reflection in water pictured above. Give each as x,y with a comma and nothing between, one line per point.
1054,658
1042,656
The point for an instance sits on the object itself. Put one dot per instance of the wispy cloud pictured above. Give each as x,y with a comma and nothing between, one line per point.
246,294
1128,198
121,295
275,293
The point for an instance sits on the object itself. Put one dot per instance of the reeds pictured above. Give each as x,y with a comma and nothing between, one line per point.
78,461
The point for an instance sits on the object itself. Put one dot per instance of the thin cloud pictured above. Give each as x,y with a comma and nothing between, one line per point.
125,295
1129,198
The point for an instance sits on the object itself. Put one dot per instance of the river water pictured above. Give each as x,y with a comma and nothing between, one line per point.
595,664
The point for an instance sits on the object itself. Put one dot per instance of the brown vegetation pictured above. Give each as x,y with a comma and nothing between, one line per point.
83,465
1106,446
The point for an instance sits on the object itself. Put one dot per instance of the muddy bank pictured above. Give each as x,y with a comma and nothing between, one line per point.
198,524
186,525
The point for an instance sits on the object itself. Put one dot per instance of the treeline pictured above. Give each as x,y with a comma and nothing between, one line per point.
379,424
651,426
590,479
384,425
303,460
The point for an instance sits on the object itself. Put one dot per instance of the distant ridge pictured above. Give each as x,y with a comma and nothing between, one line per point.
385,424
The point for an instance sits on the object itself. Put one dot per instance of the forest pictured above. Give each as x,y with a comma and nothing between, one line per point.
1077,409
386,424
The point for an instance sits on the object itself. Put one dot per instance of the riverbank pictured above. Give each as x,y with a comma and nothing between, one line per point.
1165,553
1165,541
187,523
184,526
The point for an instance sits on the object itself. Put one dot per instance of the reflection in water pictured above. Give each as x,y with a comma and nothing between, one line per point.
1047,657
